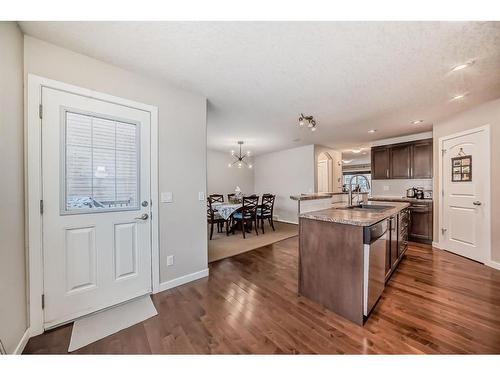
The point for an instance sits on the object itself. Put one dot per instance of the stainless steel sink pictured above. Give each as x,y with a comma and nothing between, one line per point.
366,207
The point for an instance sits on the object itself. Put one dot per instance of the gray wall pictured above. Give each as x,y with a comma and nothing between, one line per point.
336,177
182,145
285,173
222,179
488,113
13,320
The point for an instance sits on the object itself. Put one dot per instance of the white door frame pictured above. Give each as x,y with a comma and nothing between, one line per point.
487,198
33,190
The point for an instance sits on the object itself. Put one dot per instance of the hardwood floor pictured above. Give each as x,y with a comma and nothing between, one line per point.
436,302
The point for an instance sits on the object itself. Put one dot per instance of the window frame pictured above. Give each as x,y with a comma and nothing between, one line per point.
358,173
63,193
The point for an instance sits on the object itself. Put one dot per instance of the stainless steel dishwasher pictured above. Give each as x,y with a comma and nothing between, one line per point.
375,240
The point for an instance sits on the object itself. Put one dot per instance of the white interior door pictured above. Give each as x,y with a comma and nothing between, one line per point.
465,209
323,176
96,205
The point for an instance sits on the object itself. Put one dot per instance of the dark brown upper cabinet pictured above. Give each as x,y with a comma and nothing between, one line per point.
422,159
402,160
380,163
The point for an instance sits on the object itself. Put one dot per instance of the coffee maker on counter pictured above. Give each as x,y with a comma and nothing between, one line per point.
415,192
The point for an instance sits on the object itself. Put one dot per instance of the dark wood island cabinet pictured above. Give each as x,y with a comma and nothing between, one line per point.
335,265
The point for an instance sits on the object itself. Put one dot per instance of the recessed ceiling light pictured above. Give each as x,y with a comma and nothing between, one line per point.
356,151
416,122
458,97
462,66
372,130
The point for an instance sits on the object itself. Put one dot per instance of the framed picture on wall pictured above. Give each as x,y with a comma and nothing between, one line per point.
461,168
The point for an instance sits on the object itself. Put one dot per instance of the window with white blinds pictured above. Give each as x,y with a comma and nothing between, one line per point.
101,163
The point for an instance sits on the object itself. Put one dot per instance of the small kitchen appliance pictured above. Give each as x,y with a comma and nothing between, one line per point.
410,193
419,193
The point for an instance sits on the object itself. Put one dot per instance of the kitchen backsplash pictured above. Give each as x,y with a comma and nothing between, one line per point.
397,188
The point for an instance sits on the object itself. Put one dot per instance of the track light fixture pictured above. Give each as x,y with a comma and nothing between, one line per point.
307,121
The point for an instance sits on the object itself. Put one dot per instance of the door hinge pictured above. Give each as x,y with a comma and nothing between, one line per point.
443,230
40,111
43,301
443,151
41,206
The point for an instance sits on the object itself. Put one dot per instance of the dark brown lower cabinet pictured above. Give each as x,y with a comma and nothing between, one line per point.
398,241
420,228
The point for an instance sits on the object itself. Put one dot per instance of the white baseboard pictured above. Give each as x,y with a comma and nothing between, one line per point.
286,221
493,264
437,245
183,280
22,343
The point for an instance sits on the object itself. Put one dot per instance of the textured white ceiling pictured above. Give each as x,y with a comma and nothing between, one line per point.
259,76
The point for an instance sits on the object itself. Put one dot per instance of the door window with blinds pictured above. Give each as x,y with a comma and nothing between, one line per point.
101,164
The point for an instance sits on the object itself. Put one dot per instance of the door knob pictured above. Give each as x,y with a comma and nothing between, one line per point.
476,203
142,217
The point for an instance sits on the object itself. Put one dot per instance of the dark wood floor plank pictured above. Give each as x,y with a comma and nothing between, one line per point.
436,302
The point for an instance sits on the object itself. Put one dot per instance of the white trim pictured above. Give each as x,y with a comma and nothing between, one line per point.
437,245
405,138
155,206
183,280
493,264
286,221
487,184
22,343
34,188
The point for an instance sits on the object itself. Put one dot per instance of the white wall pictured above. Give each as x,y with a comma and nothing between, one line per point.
487,113
405,138
285,173
223,180
13,319
182,145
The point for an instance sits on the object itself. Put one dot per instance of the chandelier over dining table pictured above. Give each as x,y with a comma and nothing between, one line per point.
239,158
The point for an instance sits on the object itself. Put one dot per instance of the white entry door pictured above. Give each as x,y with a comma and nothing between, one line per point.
96,205
466,203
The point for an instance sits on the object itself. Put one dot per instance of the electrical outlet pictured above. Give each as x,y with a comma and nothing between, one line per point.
386,188
201,195
170,260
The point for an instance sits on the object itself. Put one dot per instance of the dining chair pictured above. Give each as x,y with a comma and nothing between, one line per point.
248,213
230,197
214,217
217,197
265,210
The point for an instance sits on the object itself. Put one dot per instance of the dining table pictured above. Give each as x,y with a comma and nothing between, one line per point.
226,209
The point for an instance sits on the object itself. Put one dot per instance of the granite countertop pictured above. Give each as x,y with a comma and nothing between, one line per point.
399,199
355,217
313,196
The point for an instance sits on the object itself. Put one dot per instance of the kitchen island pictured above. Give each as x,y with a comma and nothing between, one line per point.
345,254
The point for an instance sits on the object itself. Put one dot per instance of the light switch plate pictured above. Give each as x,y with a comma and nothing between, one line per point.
167,197
170,260
201,195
